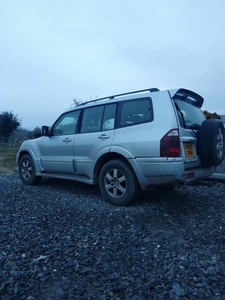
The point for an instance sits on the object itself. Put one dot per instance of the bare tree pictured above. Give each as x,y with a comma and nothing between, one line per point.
75,102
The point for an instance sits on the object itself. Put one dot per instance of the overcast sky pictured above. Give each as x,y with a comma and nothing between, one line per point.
52,51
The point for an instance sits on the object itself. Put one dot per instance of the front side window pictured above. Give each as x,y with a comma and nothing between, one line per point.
67,123
190,116
135,112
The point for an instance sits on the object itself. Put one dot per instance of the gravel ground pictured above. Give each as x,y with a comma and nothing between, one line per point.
60,240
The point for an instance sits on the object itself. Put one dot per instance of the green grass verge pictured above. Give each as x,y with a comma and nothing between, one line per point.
8,157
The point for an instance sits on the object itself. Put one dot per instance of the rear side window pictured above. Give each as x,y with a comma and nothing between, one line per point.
135,112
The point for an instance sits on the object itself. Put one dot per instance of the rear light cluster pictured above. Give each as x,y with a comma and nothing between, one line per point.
170,144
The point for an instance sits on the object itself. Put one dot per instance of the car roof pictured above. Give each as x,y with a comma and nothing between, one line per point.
180,93
118,97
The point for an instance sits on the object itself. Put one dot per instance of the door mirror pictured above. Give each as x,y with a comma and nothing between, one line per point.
45,130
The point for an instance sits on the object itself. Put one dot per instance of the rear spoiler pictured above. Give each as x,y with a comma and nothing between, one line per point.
188,96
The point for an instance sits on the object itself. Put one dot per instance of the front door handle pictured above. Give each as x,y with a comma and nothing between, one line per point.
104,137
67,140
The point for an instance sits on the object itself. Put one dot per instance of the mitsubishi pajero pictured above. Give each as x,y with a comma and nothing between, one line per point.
126,143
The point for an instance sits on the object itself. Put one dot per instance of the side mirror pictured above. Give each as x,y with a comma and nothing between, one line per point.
45,130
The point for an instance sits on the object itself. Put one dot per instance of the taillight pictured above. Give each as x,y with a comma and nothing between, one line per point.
170,144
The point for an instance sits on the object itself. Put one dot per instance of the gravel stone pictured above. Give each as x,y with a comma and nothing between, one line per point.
60,240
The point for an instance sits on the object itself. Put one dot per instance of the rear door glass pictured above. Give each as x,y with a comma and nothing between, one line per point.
92,119
109,117
98,118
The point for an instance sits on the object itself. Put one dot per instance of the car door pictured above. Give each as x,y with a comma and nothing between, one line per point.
95,137
57,149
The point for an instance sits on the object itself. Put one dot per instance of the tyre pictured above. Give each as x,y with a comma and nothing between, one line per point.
27,171
211,143
118,183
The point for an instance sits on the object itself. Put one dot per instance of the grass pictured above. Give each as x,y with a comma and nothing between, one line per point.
8,158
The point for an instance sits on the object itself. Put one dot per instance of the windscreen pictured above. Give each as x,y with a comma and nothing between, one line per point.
190,116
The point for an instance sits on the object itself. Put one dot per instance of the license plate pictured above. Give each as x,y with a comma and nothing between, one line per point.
189,150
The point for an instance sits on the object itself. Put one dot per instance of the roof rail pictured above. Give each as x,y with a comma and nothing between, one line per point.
123,94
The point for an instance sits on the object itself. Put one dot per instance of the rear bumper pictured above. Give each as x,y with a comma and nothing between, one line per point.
161,171
199,173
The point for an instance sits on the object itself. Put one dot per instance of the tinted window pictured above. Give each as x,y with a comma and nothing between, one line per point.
109,117
136,112
67,123
92,119
98,118
190,116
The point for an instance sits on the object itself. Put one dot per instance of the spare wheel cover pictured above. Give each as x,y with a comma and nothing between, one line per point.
211,142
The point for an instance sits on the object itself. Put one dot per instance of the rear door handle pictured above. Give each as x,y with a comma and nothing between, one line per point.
104,137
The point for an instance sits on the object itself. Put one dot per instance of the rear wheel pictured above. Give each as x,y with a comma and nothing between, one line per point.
211,143
27,171
118,183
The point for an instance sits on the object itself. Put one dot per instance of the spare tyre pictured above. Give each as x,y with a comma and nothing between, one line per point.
211,143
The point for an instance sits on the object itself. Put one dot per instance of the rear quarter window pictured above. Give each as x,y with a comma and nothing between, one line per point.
135,112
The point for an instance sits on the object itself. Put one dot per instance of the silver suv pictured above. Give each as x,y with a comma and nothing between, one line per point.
126,143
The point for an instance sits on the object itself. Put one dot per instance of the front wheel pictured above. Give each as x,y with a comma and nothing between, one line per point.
27,171
118,183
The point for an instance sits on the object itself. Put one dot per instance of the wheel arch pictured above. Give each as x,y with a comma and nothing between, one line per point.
21,154
104,159
28,152
27,170
118,182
